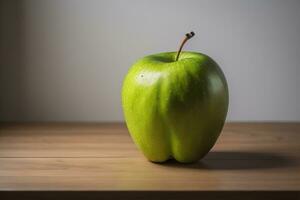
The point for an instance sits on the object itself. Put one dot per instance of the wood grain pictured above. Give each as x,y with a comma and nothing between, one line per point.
102,157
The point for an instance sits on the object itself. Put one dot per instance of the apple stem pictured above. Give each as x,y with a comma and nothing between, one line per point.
187,37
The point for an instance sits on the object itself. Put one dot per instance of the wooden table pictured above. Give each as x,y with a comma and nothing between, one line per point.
90,160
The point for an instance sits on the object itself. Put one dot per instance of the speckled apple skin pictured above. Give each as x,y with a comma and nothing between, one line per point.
175,109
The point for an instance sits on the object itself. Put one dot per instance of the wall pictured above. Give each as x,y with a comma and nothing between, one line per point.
64,60
10,65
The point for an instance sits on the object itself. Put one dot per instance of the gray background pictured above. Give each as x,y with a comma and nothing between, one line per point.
64,60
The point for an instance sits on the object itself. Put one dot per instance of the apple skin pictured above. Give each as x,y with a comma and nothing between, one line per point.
175,109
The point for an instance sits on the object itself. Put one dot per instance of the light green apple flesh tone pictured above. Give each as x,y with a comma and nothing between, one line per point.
175,109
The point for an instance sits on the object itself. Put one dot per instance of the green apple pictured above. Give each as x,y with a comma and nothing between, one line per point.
175,104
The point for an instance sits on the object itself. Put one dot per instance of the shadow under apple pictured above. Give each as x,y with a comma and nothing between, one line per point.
233,160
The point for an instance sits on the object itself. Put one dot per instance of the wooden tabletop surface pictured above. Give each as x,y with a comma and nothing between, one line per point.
102,157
